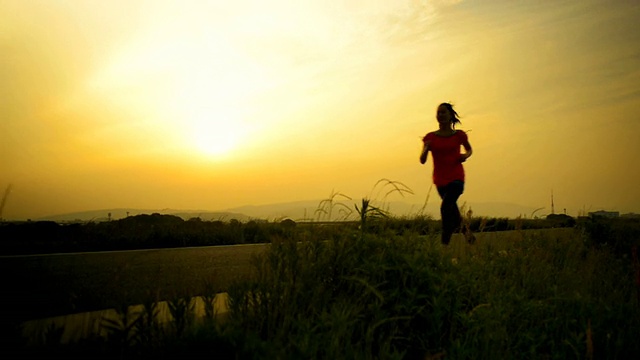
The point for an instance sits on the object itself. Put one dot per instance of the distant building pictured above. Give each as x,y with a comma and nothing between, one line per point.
605,214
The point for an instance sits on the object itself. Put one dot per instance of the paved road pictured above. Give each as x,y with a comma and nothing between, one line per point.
37,286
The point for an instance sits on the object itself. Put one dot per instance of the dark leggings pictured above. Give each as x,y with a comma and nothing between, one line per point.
449,211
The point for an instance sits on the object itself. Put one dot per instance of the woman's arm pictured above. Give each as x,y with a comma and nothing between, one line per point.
468,151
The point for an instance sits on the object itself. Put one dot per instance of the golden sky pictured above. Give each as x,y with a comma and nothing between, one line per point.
217,104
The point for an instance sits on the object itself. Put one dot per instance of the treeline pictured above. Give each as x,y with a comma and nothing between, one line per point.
135,232
168,231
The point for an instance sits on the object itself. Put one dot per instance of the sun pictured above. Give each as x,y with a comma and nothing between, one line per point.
216,137
202,89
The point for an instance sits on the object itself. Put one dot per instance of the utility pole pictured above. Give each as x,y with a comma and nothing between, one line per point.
552,211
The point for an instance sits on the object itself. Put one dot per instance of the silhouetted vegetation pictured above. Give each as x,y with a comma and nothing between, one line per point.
366,295
168,231
618,234
135,232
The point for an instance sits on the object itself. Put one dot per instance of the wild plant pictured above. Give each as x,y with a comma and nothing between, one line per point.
483,224
181,309
370,295
52,335
147,329
121,330
383,185
326,207
426,201
211,291
465,226
518,223
368,212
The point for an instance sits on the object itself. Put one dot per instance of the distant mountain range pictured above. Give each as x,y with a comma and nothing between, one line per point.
310,210
116,214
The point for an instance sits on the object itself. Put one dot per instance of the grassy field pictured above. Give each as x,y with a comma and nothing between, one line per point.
354,294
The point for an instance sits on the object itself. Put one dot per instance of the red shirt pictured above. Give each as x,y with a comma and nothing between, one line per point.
447,166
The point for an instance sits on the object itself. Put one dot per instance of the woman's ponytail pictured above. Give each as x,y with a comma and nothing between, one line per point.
454,115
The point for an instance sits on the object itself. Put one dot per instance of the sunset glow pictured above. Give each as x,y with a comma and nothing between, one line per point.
223,104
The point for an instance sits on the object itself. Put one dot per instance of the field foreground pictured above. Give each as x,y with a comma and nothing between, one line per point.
520,294
75,291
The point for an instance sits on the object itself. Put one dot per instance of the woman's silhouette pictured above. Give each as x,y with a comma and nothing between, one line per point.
448,173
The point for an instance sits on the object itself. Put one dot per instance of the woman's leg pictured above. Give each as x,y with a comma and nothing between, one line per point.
449,211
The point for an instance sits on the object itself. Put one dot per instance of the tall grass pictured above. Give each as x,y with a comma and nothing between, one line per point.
401,295
352,297
407,297
546,297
